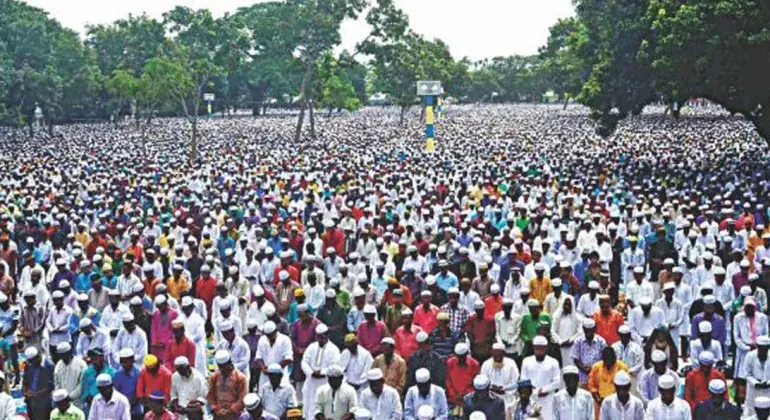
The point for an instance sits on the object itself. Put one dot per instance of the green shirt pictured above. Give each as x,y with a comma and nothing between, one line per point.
529,326
72,413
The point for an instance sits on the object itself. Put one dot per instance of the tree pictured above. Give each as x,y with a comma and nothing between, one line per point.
335,89
563,68
191,66
126,44
123,87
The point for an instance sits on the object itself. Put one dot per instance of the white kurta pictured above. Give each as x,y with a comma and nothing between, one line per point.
316,358
641,325
545,376
577,407
754,371
277,352
674,315
195,330
506,376
678,410
743,336
566,327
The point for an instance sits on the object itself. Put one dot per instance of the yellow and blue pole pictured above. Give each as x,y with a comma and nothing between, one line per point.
430,141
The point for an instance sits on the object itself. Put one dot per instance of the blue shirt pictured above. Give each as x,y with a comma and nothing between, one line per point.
110,282
580,270
445,282
82,282
125,383
89,381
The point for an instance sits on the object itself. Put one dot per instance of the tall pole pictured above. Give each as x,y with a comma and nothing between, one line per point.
430,132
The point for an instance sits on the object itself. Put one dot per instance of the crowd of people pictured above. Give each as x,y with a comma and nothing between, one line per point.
525,269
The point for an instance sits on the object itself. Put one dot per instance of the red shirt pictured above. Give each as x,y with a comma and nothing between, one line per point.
335,239
370,336
696,386
186,348
492,305
406,341
206,289
388,298
293,274
607,326
426,319
459,378
148,383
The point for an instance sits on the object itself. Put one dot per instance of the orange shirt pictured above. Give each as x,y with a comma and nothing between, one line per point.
426,319
540,288
607,326
492,305
406,341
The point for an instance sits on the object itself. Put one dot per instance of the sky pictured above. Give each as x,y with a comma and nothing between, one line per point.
475,29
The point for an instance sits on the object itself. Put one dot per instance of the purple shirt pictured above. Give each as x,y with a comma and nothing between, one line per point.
740,279
718,328
302,335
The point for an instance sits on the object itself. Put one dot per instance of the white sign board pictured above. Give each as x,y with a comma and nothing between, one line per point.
429,87
208,97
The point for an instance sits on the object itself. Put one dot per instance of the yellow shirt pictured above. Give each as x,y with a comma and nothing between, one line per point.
177,287
601,380
84,238
540,288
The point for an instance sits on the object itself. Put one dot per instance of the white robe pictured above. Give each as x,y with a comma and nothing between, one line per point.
545,376
506,377
754,371
316,358
195,330
743,339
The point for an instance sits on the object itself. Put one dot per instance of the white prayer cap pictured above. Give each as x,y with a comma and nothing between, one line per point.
624,329
269,327
181,361
719,271
639,269
331,294
57,294
362,414
334,371
283,275
622,378
321,329
498,346
85,322
478,304
425,412
60,395
668,261
532,303
570,370
125,353
369,309
704,327
252,323
226,325
222,357
422,375
477,415
745,291
422,337
258,291
160,299
666,382
658,356
495,288
461,348
224,305
374,374
30,352
136,289
706,358
251,401
481,382
453,291
274,368
555,282
127,317
539,341
645,301
717,386
762,402
82,297
709,299
430,280
763,340
116,292
745,263
388,340
589,323
268,309
593,284
103,379
63,347
669,286
186,301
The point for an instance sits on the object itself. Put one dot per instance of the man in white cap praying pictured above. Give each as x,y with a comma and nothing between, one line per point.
227,387
38,383
57,323
273,348
188,389
717,406
644,318
503,374
544,373
648,379
277,394
109,403
481,399
130,336
318,355
335,400
572,403
704,342
667,405
756,371
622,405
254,409
7,403
236,346
381,400
194,328
68,373
424,393
64,407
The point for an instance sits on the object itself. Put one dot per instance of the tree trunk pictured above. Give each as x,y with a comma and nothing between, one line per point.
401,118
566,102
50,128
311,106
329,114
300,121
31,130
194,142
